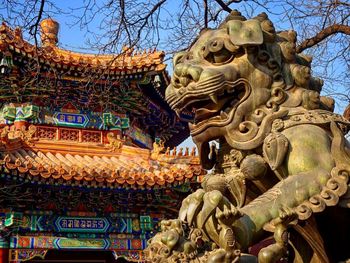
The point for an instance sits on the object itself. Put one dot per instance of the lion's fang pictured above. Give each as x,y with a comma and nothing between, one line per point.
214,98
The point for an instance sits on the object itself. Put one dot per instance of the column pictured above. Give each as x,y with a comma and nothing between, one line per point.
4,250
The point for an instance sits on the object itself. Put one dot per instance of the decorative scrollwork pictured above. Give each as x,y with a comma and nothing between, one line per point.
282,155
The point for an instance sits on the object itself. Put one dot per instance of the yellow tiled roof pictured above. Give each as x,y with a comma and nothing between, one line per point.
128,62
101,164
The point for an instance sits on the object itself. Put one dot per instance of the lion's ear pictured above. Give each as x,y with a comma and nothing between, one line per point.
245,33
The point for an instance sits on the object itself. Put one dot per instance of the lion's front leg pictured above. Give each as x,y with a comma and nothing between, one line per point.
312,178
293,192
273,253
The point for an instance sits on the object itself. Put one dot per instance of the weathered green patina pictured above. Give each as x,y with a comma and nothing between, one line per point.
282,161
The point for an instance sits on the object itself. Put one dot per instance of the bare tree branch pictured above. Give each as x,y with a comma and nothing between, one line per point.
323,34
205,13
224,6
35,26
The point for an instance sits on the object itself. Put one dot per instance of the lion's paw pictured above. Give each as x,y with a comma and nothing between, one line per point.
287,216
228,215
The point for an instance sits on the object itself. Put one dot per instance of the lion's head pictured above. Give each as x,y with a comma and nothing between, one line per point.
237,79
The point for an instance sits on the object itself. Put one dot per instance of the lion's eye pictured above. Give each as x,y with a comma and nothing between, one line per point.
222,56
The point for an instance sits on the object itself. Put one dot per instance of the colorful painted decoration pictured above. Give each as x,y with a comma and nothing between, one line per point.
70,119
25,112
63,117
140,137
27,254
114,122
52,242
64,243
146,223
82,224
77,169
120,224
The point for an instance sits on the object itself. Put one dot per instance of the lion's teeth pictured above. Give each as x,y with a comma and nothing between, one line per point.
223,115
214,98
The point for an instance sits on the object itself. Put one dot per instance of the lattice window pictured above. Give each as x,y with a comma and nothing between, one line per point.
46,133
91,136
69,135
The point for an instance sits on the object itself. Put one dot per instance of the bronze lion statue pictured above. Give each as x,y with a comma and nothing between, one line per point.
278,187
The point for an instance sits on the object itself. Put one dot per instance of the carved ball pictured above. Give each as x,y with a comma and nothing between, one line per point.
215,182
253,167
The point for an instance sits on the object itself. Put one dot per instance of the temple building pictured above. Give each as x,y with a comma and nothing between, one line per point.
88,156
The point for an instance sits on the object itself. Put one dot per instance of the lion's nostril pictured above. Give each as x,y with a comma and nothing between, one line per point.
184,74
185,81
195,73
176,82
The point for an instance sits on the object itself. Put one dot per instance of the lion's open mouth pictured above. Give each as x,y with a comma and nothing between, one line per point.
215,108
218,106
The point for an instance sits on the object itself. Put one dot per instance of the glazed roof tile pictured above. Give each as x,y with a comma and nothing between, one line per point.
111,165
128,62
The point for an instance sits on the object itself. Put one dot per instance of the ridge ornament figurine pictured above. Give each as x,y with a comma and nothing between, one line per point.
279,187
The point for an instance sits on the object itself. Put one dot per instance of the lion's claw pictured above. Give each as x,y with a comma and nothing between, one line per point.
228,215
287,216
